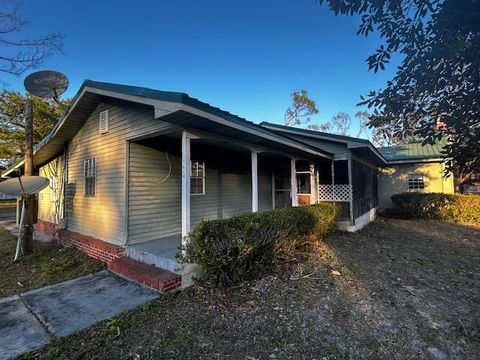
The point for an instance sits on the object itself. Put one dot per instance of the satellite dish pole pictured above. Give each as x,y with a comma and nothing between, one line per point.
44,84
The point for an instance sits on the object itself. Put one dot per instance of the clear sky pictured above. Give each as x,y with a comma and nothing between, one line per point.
243,56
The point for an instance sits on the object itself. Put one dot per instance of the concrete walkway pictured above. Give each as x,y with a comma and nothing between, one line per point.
30,320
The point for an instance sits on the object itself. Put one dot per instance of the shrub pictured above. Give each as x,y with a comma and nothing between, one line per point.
242,247
459,208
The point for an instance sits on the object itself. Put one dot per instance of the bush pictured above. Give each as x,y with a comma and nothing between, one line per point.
243,247
459,208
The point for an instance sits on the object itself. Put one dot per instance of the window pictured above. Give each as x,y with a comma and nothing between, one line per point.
197,178
415,182
90,175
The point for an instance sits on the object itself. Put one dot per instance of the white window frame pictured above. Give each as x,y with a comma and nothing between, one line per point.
196,174
415,182
90,175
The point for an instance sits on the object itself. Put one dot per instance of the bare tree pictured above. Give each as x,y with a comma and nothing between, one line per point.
19,54
342,124
302,107
325,127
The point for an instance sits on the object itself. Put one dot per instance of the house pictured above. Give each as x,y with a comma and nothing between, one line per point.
412,167
132,170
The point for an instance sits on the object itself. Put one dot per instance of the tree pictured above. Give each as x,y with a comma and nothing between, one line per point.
439,76
341,124
302,107
19,54
325,127
12,122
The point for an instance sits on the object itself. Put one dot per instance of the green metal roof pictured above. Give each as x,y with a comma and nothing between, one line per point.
92,92
413,151
349,141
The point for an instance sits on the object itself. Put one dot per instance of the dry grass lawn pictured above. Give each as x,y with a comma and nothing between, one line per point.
48,264
400,289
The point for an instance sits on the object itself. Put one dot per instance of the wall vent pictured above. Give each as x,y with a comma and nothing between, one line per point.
103,122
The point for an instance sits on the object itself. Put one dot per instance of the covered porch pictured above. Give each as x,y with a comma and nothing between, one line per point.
180,178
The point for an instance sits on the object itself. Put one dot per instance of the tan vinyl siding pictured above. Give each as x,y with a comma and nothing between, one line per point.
226,195
102,216
393,180
50,199
154,200
155,207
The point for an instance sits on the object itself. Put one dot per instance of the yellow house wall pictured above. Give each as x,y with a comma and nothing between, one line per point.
393,180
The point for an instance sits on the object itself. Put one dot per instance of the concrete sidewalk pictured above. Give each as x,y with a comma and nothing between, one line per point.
30,320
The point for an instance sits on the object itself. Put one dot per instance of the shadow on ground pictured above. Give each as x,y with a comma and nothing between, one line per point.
404,289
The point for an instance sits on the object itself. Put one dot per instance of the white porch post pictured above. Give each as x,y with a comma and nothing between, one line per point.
185,186
293,182
313,184
254,181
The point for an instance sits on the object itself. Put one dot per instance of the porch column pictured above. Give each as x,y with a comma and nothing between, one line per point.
293,182
350,182
333,179
185,186
254,181
313,184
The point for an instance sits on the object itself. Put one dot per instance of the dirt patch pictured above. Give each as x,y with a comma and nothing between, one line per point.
399,289
49,264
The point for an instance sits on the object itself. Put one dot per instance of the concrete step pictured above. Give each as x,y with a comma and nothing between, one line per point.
149,275
155,258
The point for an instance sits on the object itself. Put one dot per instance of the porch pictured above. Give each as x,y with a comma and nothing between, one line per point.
226,177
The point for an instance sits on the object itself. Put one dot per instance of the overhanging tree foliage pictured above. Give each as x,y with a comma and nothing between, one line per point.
438,80
12,122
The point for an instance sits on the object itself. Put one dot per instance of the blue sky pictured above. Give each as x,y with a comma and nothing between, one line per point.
243,56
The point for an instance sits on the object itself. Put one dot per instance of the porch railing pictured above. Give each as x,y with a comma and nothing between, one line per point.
340,192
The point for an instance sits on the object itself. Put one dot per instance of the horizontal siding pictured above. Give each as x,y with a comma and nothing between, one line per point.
102,216
226,195
155,207
154,204
50,199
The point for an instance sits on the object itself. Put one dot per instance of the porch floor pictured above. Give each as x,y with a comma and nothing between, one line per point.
161,252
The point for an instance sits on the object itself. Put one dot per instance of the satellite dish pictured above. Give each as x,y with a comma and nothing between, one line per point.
24,185
46,84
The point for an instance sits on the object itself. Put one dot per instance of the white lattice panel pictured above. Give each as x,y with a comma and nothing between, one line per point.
339,193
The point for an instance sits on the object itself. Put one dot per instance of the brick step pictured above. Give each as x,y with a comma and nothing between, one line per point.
149,275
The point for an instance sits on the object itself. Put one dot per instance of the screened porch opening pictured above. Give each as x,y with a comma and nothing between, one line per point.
335,187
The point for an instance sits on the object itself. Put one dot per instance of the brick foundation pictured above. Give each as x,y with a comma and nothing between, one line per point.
149,275
95,248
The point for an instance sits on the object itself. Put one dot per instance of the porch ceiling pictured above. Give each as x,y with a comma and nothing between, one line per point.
263,139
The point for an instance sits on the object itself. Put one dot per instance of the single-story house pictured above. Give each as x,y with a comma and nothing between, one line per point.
412,168
132,170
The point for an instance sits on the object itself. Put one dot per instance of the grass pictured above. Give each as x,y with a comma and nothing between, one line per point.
407,289
49,264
